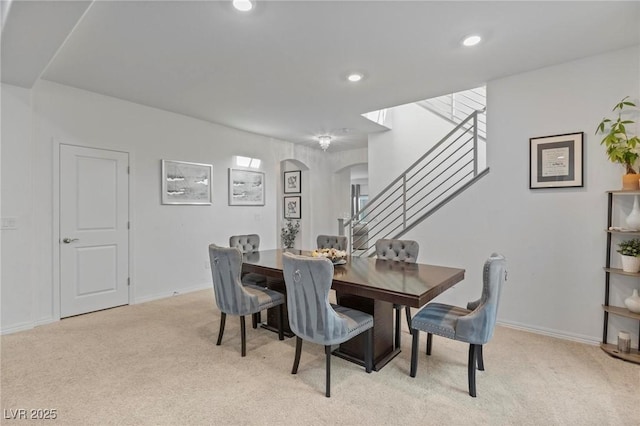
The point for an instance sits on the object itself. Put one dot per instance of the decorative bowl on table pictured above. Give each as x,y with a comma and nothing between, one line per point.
337,257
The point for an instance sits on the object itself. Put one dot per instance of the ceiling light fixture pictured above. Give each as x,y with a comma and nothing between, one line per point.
325,141
243,5
471,40
354,77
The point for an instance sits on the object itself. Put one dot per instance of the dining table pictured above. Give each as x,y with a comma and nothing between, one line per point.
370,285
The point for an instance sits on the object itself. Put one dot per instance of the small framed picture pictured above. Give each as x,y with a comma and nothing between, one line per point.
556,161
292,208
292,182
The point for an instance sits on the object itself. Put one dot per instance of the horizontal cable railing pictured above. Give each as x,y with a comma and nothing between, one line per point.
440,174
455,107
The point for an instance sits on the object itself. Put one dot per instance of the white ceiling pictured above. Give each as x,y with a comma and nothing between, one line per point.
280,70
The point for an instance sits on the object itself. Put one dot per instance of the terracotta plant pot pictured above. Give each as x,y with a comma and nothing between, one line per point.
630,182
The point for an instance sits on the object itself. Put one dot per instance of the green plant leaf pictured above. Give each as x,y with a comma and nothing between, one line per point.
620,147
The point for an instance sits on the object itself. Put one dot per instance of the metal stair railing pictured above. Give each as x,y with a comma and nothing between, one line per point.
455,107
441,174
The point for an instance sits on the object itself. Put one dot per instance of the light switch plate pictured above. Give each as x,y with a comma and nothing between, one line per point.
9,223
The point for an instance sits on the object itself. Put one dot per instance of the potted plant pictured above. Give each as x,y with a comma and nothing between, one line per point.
630,253
621,147
289,232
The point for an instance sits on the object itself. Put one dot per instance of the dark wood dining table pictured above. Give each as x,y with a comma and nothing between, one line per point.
370,285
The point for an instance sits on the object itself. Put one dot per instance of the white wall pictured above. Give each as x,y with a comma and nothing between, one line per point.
553,239
17,203
169,243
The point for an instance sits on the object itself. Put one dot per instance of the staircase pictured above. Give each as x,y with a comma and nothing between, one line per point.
441,174
455,107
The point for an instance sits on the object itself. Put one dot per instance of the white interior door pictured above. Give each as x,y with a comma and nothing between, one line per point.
94,229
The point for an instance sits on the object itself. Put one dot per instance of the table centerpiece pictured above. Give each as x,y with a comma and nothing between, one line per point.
337,257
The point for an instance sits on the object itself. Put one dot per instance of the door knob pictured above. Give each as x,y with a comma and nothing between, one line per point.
69,240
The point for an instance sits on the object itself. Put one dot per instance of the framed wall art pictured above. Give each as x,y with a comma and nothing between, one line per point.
246,188
292,207
186,183
293,182
556,161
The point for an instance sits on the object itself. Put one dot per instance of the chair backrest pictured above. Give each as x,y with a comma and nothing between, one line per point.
398,250
311,317
246,243
338,242
478,326
231,297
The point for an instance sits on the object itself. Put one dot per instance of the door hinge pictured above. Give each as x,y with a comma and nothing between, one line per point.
128,281
128,169
128,225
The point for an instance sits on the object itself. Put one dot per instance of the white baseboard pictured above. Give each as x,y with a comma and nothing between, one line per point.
45,321
551,333
18,327
166,294
27,325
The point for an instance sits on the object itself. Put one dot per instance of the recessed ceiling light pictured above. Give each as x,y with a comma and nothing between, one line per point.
243,5
354,77
471,40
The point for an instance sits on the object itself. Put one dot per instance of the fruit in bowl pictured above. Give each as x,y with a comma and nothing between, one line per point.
334,255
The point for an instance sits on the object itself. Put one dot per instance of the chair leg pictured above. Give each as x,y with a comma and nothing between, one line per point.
223,318
296,361
479,357
368,357
407,311
280,316
472,370
397,341
429,343
414,352
243,335
327,351
254,319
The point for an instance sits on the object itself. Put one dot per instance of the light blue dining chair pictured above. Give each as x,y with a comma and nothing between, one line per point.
235,298
473,325
338,242
249,244
398,251
313,318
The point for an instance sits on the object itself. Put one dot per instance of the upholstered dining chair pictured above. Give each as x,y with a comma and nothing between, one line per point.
236,298
473,325
399,251
247,244
313,318
338,242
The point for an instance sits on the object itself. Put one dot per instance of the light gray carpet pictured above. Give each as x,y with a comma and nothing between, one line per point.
157,363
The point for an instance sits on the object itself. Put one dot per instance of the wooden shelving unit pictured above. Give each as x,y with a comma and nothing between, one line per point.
622,312
634,355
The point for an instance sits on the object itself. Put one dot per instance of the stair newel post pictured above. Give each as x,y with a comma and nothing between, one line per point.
341,232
